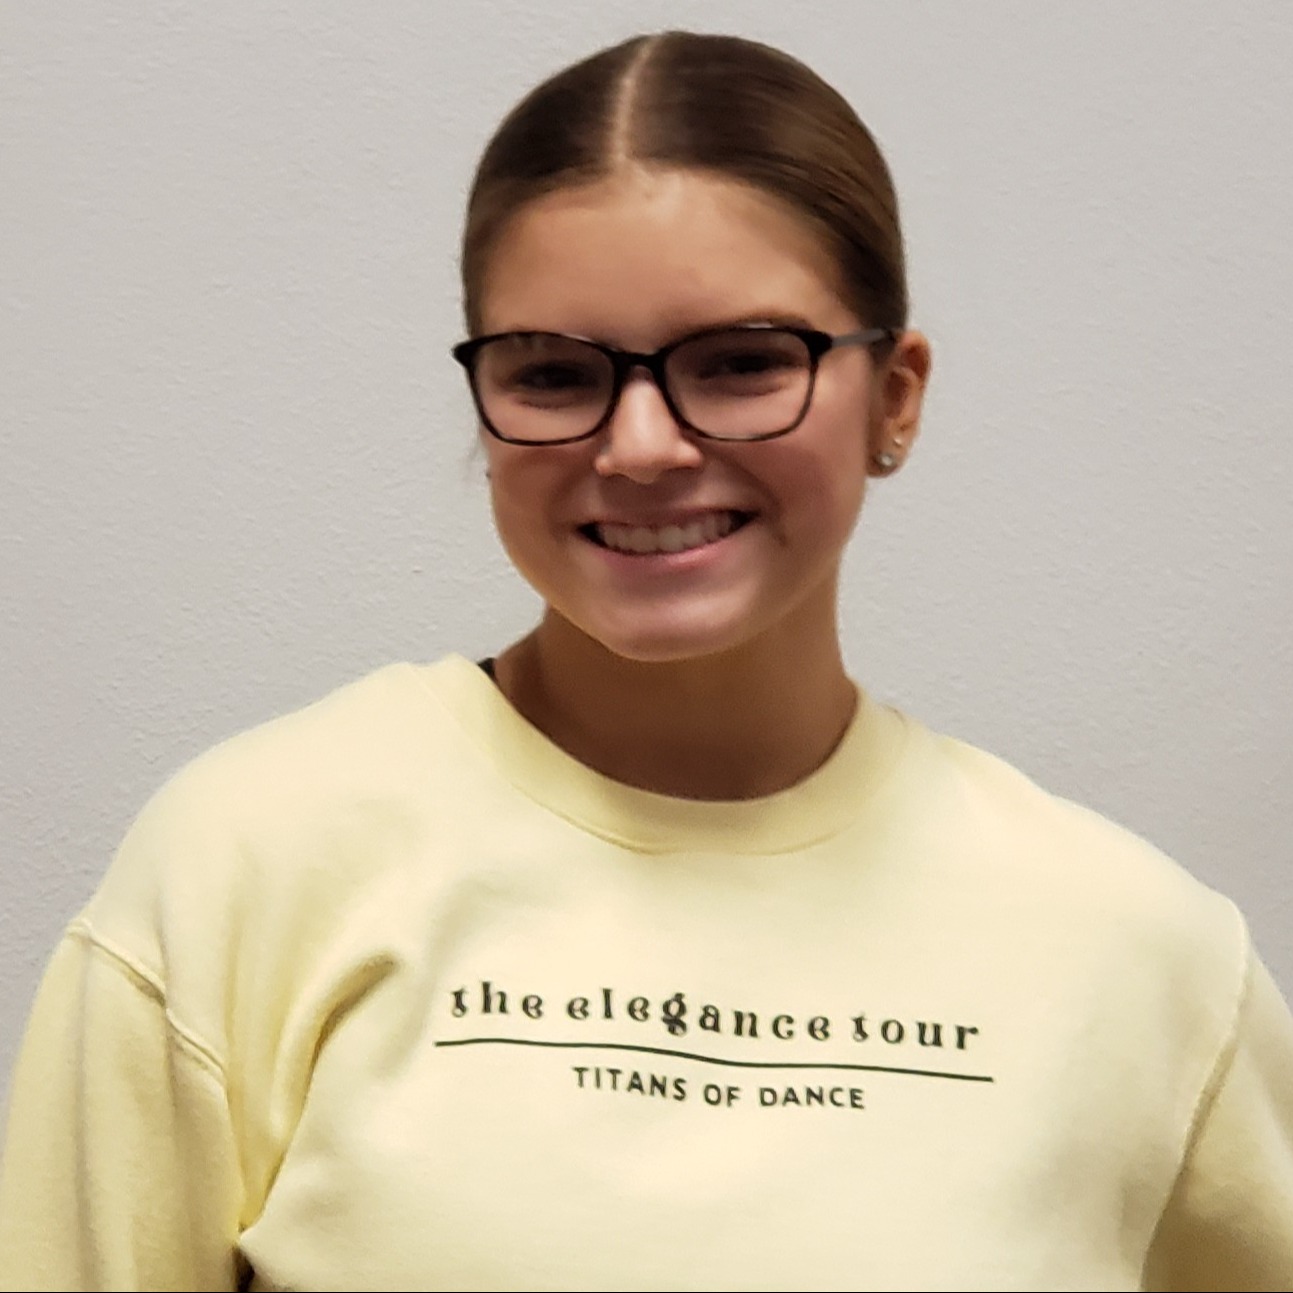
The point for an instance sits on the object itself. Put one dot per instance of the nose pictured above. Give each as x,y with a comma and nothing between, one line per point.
643,441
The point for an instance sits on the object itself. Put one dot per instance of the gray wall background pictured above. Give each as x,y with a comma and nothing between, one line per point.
236,457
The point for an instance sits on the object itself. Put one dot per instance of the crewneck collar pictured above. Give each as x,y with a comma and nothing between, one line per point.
815,809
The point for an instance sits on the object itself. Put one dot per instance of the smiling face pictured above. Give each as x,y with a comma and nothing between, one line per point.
653,542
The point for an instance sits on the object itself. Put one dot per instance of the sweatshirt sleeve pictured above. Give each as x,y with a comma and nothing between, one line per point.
1229,1221
120,1166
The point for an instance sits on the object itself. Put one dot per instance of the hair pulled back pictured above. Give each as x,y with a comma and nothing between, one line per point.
719,104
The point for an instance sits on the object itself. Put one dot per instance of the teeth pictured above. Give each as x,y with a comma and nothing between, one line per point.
643,539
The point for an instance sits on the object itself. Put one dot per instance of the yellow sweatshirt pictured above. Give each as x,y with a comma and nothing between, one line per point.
393,994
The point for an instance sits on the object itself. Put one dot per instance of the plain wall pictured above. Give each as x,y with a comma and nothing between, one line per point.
236,456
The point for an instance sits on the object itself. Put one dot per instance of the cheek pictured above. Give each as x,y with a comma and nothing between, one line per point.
525,497
514,512
521,539
820,479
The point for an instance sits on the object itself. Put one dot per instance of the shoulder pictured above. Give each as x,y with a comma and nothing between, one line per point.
1088,928
1078,873
363,732
376,737
296,815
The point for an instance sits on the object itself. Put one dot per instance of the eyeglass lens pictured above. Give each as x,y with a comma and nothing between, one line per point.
739,384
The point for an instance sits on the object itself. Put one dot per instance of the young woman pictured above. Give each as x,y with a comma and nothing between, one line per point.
654,953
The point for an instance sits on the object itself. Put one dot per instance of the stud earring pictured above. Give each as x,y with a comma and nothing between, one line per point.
887,461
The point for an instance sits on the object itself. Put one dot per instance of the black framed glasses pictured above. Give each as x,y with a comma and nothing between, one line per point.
749,382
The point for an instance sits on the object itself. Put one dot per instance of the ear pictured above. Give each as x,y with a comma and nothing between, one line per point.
899,395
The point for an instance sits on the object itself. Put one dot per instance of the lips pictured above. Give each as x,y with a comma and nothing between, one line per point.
639,538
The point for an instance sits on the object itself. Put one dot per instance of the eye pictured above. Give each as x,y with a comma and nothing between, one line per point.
749,361
552,376
741,363
543,371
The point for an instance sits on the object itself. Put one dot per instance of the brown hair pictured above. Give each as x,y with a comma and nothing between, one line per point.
733,107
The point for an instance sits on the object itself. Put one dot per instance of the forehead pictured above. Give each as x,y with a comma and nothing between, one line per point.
643,256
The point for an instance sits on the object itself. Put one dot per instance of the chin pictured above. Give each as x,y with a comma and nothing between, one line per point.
668,642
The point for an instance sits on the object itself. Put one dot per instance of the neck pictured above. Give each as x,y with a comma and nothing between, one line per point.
739,725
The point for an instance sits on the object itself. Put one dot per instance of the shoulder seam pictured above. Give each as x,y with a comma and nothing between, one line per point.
150,985
1229,1041
1216,1075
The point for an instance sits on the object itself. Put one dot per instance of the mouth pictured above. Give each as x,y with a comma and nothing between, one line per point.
650,540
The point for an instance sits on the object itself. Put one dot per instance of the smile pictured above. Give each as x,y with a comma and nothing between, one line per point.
645,540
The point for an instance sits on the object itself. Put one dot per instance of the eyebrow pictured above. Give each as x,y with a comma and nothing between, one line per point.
746,319
774,318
